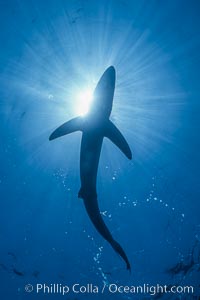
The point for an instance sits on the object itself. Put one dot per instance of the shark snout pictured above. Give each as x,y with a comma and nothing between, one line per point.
110,74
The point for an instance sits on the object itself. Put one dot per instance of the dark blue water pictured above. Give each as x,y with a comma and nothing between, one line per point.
52,50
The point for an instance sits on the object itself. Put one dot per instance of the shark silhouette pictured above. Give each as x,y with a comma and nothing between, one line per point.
95,126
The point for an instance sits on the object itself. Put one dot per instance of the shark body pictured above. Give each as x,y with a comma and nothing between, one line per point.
94,127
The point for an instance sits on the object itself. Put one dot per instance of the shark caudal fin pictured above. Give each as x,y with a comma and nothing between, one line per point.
116,246
113,133
92,209
66,128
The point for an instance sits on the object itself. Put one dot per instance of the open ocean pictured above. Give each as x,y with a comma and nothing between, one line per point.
52,54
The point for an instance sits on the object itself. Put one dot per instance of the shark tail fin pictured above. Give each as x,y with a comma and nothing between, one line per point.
116,246
92,209
113,133
66,128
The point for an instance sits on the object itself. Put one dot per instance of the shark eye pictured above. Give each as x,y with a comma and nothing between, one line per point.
83,101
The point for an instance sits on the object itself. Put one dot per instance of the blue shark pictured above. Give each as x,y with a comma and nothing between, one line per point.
94,127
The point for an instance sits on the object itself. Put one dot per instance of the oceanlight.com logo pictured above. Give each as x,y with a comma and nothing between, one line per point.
113,288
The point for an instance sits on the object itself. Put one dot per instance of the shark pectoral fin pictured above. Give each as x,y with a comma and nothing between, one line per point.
113,133
66,128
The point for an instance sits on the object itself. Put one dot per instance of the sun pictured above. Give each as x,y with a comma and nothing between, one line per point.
83,101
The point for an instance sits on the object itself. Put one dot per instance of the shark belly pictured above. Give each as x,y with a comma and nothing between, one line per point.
89,160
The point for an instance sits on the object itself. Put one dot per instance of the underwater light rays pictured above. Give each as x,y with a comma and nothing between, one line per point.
66,57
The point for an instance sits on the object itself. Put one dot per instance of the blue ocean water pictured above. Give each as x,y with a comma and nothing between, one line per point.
51,51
